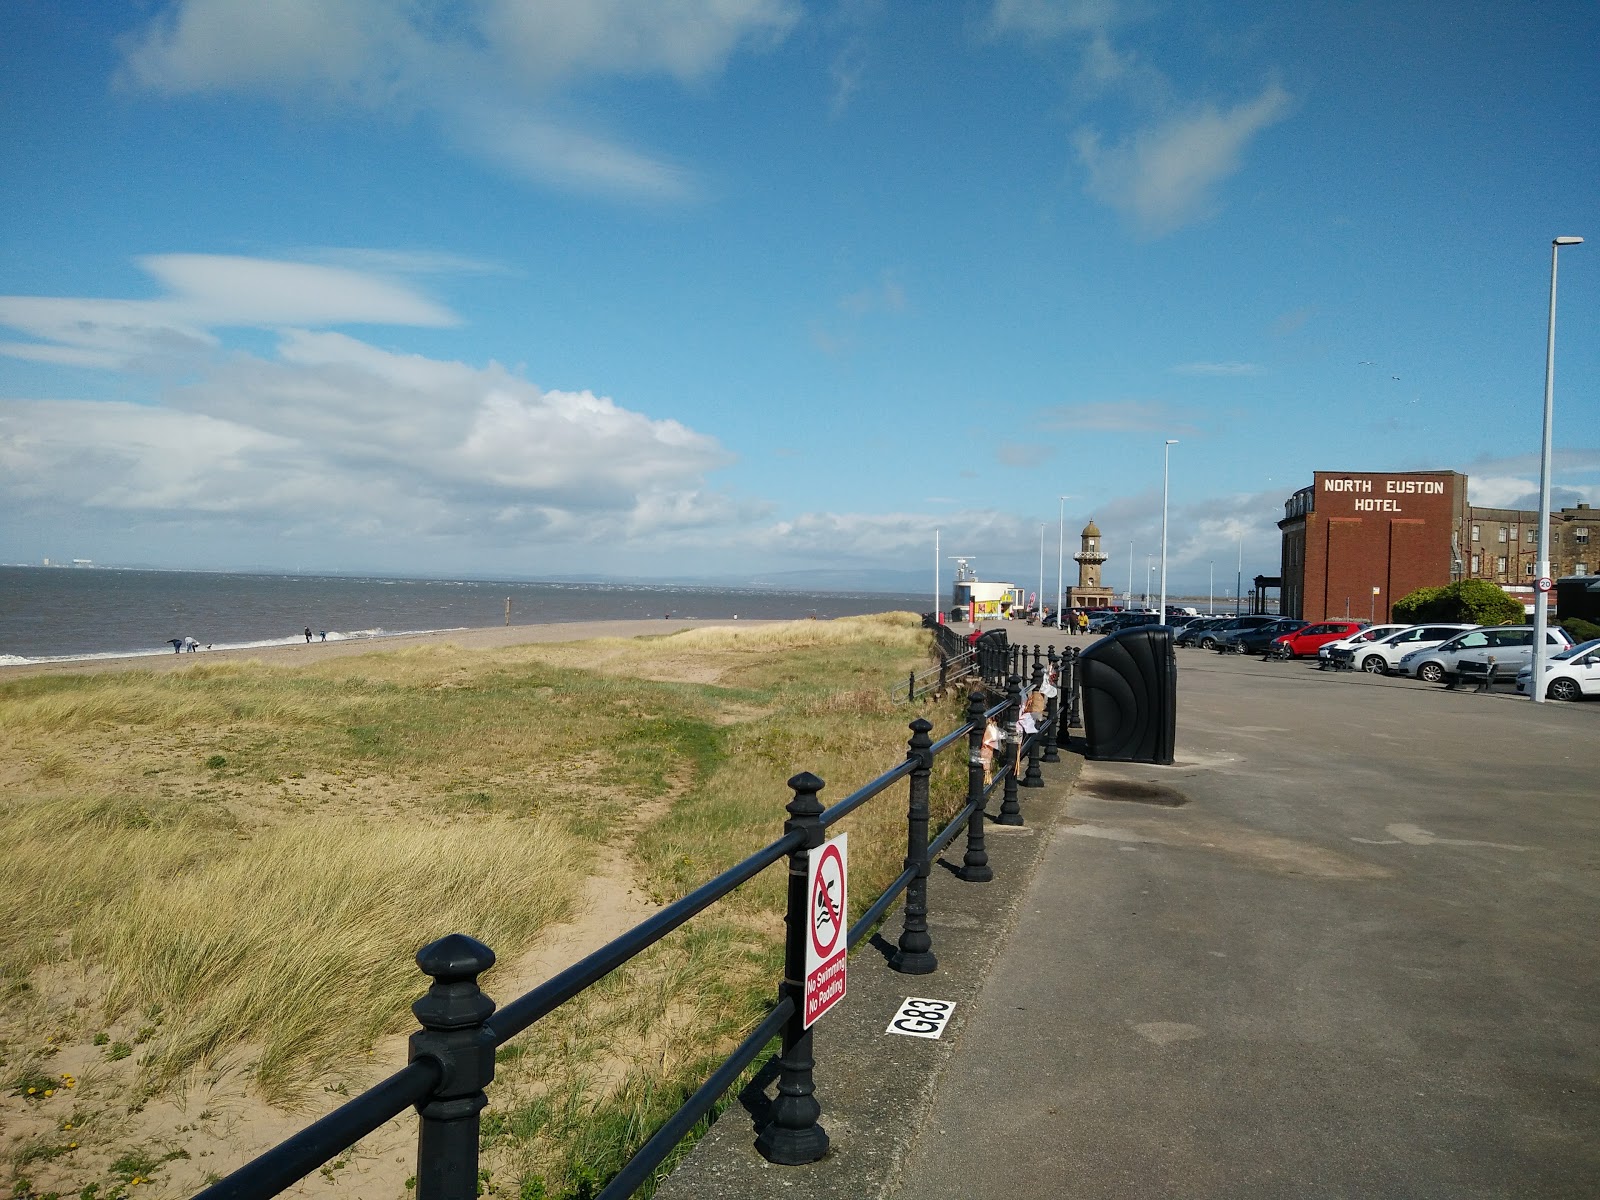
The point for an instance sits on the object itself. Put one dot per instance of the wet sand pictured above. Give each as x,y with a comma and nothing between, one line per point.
304,654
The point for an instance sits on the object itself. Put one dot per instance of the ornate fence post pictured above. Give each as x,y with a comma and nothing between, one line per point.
1072,693
1052,738
915,953
452,1014
1010,810
975,862
793,1136
1035,777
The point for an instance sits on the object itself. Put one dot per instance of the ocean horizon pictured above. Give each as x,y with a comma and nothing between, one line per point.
67,614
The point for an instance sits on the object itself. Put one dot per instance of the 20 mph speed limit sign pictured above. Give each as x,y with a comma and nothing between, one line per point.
826,935
1544,583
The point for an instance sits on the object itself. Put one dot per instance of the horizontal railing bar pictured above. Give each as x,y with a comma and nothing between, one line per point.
857,798
292,1160
953,736
957,824
558,989
880,906
654,1152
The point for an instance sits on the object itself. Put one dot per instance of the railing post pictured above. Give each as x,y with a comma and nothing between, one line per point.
914,956
1035,777
911,687
793,1136
1010,810
452,1013
975,862
944,672
1053,713
1070,692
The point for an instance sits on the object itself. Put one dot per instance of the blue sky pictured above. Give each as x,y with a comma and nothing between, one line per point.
665,287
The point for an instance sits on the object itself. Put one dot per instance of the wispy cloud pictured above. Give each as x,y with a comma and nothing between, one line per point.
1164,176
1023,454
1217,369
486,73
206,292
1118,416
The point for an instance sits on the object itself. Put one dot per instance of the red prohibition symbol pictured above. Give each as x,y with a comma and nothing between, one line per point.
827,911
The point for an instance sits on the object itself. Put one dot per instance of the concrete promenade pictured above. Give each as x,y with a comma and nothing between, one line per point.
1346,946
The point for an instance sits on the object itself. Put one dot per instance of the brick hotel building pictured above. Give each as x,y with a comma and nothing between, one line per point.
1354,542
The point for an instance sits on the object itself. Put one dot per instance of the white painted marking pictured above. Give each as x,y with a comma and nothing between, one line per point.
923,1018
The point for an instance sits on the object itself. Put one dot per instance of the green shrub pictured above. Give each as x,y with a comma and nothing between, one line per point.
1474,601
1580,629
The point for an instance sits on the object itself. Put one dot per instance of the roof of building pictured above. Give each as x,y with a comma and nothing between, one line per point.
1091,529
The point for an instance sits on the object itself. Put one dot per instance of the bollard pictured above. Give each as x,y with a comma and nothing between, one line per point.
915,953
1035,777
1070,692
1010,810
975,862
1052,711
452,1014
793,1137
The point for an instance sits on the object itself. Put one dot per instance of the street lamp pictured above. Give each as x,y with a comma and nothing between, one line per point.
1238,580
1211,603
1038,597
1166,461
1541,598
1061,557
1148,570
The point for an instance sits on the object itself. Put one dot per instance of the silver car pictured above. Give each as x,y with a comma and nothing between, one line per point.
1511,646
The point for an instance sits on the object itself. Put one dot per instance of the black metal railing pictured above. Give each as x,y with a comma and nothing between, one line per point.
452,1057
936,680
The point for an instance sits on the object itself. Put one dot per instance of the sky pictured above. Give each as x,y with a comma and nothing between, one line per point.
733,288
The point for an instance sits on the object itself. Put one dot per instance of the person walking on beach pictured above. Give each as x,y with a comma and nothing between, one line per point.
324,633
308,635
191,644
176,644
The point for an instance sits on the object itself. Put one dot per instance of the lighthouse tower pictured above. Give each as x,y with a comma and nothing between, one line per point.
1090,592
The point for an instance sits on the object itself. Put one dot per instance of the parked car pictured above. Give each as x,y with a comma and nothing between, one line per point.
1359,639
1255,639
1208,638
1189,635
1308,639
1109,622
1383,655
1511,646
1569,675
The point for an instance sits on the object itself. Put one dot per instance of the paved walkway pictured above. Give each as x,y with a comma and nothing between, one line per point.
1344,947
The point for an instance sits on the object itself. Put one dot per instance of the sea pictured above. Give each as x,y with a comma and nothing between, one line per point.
65,614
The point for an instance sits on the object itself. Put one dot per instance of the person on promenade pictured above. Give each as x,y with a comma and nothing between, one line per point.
308,635
1083,622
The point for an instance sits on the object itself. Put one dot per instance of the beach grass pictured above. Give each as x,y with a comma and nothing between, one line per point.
227,869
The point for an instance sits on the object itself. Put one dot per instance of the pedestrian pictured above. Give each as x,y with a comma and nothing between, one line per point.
308,635
176,644
324,635
1083,622
191,644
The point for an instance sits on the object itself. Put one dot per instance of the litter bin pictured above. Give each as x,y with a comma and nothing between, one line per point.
1130,695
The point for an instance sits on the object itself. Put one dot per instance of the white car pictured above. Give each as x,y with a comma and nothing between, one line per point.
1356,640
1570,675
1511,646
1383,654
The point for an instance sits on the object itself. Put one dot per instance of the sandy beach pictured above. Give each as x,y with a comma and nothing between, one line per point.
306,653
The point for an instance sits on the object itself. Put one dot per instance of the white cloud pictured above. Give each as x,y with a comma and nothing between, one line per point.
1218,368
207,292
1163,176
1051,18
358,442
486,72
1023,454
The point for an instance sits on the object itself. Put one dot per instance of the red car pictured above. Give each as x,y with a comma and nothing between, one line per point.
1304,643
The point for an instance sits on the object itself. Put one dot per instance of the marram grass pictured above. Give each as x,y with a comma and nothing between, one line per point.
255,853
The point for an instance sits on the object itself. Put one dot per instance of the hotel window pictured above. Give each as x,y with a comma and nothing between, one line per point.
1500,565
1528,569
1533,536
1581,569
1502,532
1581,535
1475,567
1475,536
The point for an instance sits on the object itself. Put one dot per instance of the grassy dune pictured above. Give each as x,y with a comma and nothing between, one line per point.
218,876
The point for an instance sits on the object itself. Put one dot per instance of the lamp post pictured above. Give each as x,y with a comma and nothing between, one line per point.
1061,556
1238,581
1211,602
1149,569
1127,596
1166,462
1038,597
1541,598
